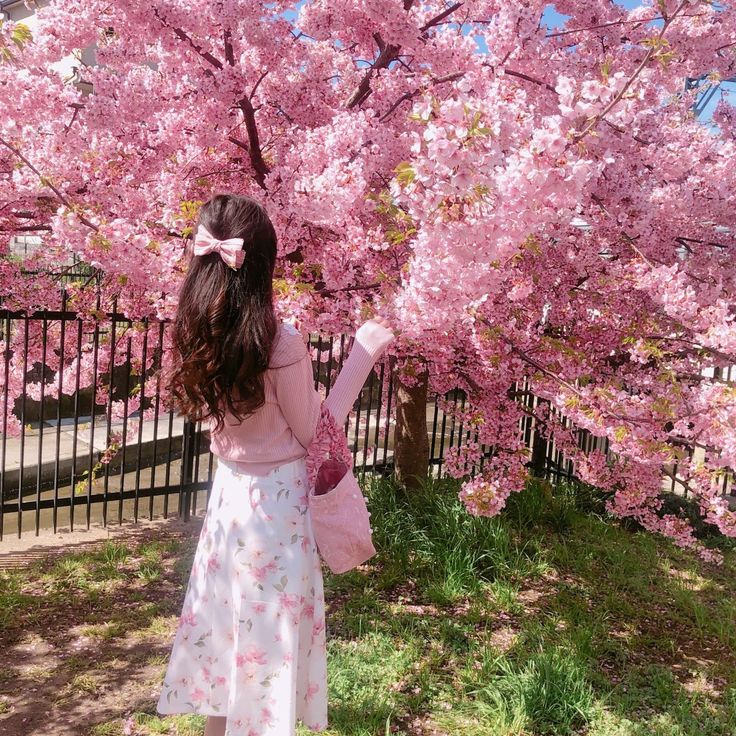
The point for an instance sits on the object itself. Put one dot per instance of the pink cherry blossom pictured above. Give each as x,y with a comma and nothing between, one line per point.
546,212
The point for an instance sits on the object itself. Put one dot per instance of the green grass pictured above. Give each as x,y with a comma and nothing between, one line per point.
549,620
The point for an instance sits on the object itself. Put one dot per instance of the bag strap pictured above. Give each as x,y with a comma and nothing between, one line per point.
330,440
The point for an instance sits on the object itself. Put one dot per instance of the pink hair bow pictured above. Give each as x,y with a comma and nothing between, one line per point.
230,250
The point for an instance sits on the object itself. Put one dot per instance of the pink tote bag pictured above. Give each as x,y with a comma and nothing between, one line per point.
340,518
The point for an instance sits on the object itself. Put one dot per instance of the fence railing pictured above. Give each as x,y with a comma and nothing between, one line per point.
93,441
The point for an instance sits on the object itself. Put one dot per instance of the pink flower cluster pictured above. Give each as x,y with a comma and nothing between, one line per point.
527,205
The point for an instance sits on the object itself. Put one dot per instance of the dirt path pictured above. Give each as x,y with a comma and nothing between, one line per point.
18,552
68,662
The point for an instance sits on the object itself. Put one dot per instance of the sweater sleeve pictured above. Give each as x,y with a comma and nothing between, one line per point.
299,400
371,340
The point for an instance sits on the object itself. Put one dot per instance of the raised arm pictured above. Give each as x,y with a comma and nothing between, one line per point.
300,401
371,340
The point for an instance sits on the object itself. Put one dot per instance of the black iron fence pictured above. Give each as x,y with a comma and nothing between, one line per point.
85,435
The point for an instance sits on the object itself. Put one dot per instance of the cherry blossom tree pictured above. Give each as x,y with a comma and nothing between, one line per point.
524,202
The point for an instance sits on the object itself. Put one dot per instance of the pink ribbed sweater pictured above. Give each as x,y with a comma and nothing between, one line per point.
282,429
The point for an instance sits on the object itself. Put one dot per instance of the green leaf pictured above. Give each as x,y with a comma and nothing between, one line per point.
405,175
21,35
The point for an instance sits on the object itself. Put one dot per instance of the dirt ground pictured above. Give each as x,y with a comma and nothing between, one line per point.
72,663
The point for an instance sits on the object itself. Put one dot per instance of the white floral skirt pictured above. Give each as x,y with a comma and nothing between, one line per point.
250,643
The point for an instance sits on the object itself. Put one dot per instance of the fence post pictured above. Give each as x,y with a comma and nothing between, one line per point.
189,434
538,464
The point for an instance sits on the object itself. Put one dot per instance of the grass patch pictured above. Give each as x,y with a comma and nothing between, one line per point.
14,603
360,678
548,620
451,554
548,692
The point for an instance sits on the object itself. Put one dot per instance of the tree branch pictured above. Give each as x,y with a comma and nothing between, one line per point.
327,292
186,37
257,84
410,95
389,53
25,228
227,41
439,18
260,167
647,57
682,240
363,90
255,153
635,23
47,182
521,75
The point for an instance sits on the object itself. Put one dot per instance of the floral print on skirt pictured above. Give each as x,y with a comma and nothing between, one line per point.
250,642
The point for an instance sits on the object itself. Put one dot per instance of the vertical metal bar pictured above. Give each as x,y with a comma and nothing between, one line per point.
167,475
434,427
93,410
371,382
23,424
376,439
388,409
319,359
357,425
44,344
210,466
342,351
58,408
442,440
124,438
141,400
453,420
474,468
330,365
6,392
460,427
530,403
77,380
111,371
187,464
468,432
339,368
197,453
156,408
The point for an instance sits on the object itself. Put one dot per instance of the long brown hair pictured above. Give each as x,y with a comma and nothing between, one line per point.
225,323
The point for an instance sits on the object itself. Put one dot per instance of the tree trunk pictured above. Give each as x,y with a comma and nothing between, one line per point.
411,446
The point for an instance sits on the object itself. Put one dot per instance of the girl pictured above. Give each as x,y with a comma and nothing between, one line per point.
249,650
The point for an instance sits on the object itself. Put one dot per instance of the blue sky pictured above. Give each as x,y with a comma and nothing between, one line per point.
553,18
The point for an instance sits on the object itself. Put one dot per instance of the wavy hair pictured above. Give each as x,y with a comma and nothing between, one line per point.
225,322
